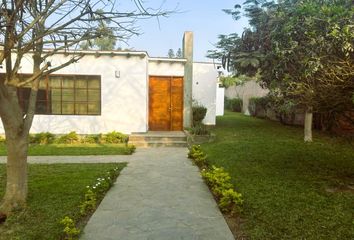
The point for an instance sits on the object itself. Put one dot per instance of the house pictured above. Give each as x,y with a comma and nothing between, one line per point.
125,91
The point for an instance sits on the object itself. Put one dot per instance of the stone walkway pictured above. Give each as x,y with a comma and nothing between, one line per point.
160,195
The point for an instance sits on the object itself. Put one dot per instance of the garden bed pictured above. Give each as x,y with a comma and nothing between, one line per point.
55,191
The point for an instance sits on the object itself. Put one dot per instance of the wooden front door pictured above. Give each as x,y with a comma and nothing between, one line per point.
165,103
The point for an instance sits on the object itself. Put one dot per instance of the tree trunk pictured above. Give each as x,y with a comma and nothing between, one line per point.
16,185
308,125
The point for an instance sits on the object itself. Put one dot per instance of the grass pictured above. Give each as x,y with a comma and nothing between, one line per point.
55,191
292,189
75,149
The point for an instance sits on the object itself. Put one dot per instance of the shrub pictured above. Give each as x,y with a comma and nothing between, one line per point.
230,199
199,129
257,105
114,137
220,184
41,138
217,179
234,104
71,232
130,149
93,138
197,155
69,138
199,112
89,203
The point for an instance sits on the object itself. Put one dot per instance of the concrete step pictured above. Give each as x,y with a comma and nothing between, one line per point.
137,138
158,139
159,144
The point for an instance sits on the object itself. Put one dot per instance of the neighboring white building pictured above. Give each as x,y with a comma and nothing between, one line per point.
120,91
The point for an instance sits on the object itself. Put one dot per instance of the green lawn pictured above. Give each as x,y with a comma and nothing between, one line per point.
75,149
286,183
55,191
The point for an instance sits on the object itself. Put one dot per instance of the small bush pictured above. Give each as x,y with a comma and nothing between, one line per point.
234,104
199,113
71,232
257,105
93,138
41,138
197,155
69,138
199,129
114,137
89,203
219,181
230,199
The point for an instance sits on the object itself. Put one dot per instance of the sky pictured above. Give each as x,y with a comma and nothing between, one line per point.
204,17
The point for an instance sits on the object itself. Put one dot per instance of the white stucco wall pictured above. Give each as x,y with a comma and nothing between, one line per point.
166,67
220,92
123,99
246,91
204,88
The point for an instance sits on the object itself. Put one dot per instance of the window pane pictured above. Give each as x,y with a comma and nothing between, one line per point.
94,108
93,83
81,108
68,83
56,108
68,95
94,95
81,95
67,108
56,95
42,108
55,82
80,83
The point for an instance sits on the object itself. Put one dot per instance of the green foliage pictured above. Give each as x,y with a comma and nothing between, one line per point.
228,81
199,112
41,138
89,203
197,155
304,51
92,138
220,183
284,182
69,138
57,190
256,104
199,129
233,104
218,179
230,199
114,137
71,232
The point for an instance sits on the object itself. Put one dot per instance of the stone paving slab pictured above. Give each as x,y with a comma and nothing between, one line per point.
160,195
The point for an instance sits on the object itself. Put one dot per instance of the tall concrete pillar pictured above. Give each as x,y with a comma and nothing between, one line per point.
188,78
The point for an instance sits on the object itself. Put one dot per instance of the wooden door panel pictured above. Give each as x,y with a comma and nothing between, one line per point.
159,104
165,103
177,104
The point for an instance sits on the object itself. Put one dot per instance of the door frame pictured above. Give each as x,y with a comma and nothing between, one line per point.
148,105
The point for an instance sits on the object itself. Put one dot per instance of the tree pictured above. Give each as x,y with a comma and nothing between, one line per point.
27,29
171,53
303,51
105,42
179,53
